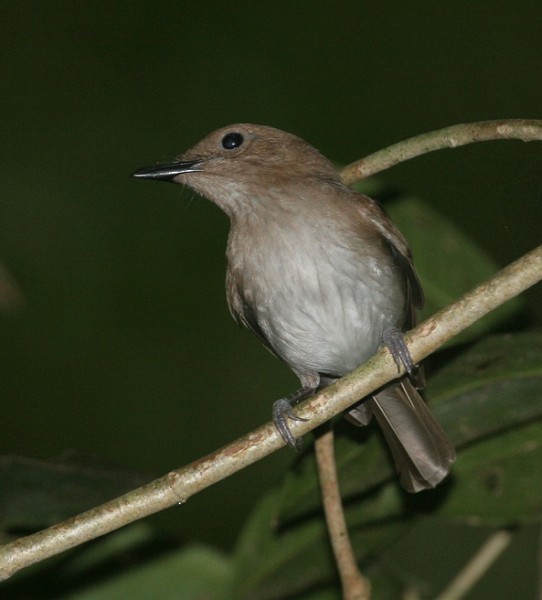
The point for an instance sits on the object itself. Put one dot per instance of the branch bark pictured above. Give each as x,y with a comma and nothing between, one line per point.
527,130
354,584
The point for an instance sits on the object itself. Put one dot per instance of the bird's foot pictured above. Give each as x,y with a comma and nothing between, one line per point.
395,342
282,412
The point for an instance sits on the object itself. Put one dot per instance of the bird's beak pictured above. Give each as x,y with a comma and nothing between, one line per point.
168,171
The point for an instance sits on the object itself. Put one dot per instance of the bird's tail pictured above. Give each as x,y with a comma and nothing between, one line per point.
420,449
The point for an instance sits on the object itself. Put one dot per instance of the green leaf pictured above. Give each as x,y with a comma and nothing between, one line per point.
191,574
279,564
276,558
490,402
36,493
490,388
499,481
275,561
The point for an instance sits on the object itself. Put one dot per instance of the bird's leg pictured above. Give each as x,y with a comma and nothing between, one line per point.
282,411
395,342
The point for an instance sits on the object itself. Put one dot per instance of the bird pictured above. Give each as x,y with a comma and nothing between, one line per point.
321,275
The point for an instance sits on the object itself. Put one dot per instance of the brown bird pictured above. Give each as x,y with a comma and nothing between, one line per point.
321,275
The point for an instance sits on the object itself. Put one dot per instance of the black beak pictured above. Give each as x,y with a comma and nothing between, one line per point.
168,171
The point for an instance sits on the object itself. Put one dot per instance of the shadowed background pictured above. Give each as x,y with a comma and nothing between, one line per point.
124,349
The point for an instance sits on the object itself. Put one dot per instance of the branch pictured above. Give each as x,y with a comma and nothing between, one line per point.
355,586
528,130
177,486
467,578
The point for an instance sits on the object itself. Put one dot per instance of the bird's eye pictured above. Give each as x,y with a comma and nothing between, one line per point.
232,140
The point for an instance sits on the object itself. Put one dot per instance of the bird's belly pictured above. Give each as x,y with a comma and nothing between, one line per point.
330,325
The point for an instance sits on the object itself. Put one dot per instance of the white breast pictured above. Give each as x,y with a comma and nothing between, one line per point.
322,307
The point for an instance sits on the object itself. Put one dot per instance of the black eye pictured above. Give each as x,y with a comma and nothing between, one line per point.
232,140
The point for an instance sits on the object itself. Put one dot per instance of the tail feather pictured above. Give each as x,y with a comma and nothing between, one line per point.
420,449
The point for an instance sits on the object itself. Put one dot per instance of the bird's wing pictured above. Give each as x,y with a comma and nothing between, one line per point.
372,211
242,312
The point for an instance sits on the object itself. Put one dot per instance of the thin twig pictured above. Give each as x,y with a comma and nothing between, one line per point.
176,487
527,130
354,585
467,578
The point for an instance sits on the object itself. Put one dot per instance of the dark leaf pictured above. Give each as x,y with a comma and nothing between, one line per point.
37,493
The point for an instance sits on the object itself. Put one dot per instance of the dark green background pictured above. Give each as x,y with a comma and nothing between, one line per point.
125,350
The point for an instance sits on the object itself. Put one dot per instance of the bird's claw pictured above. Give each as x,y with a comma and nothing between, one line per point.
282,412
394,341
